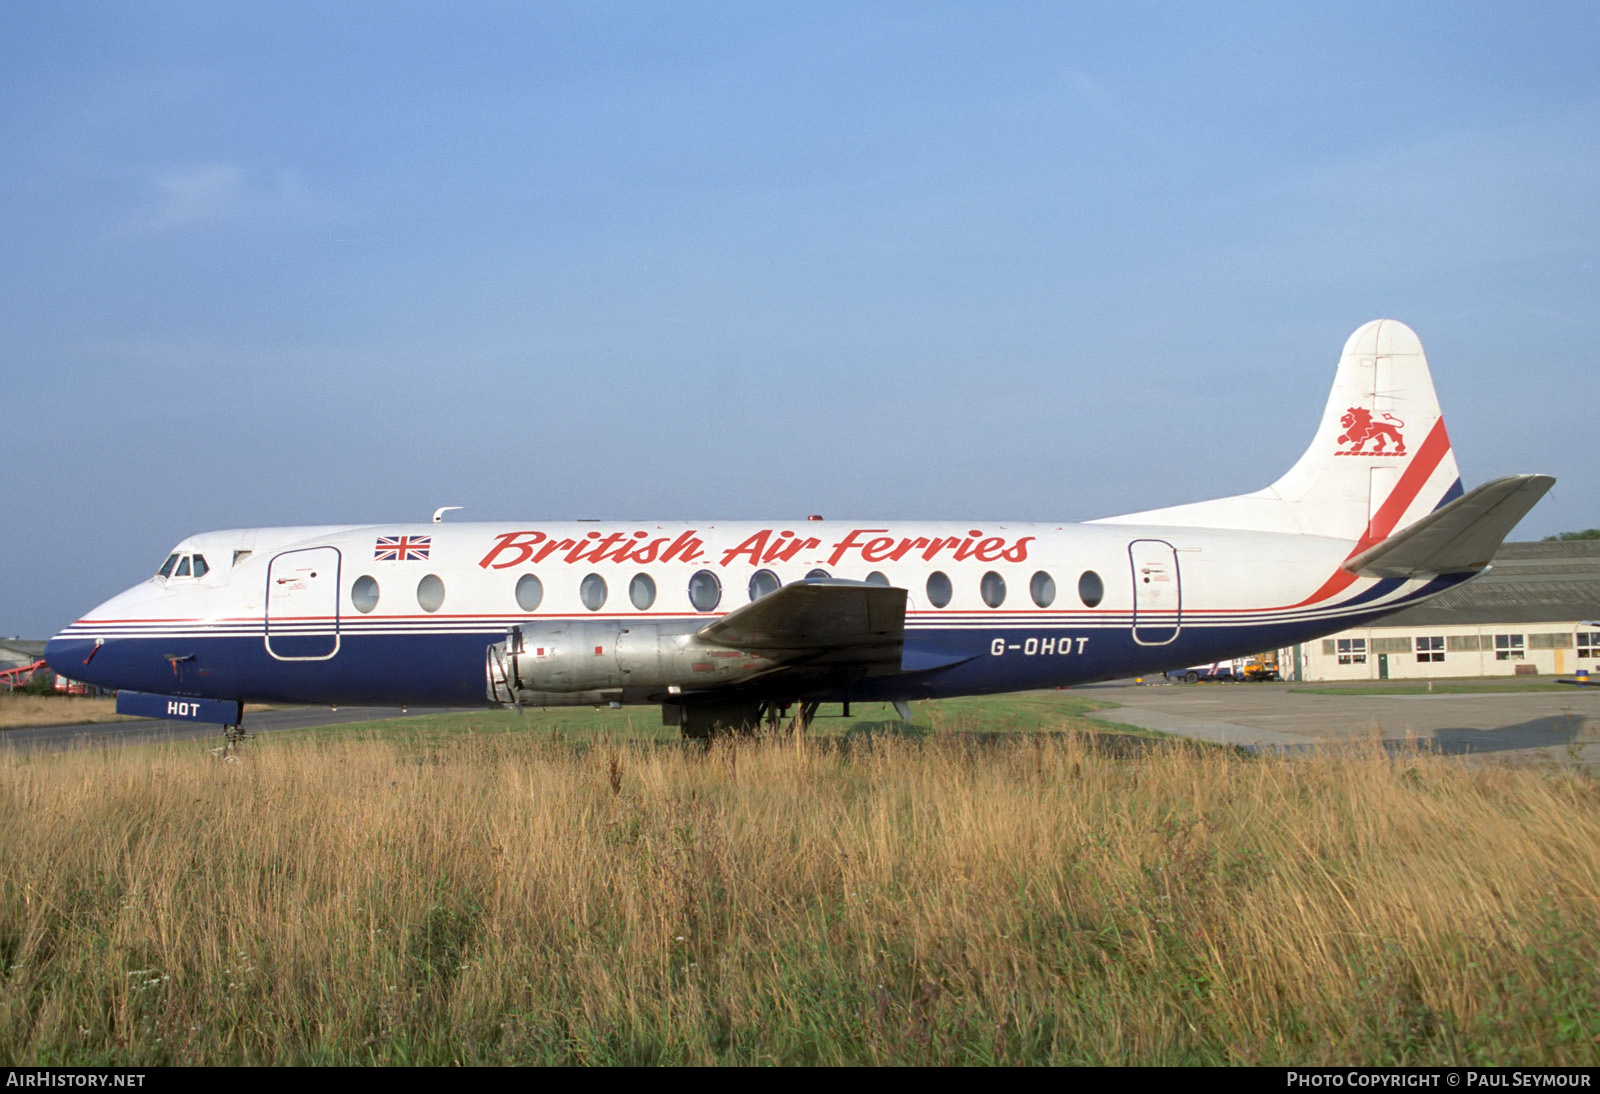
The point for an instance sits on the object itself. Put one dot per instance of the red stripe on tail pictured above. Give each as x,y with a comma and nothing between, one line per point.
1412,480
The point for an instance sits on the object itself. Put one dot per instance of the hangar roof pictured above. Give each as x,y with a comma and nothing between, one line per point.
1527,583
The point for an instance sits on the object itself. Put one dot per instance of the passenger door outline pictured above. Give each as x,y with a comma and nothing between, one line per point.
301,609
1157,592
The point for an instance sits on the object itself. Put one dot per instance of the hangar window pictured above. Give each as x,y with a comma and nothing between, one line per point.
1043,589
1508,647
530,591
878,577
993,588
763,582
938,589
705,591
1352,651
430,593
364,594
593,592
1430,648
1589,643
642,591
166,567
1091,590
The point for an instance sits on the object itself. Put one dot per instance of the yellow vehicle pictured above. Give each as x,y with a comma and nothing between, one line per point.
1258,666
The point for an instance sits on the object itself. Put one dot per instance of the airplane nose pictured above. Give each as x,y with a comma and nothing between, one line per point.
78,653
71,657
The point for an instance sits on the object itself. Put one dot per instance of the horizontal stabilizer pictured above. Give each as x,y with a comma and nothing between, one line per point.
1458,538
816,617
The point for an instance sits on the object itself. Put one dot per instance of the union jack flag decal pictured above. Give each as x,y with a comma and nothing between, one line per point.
402,548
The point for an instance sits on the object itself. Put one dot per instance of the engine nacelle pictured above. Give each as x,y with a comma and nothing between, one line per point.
582,661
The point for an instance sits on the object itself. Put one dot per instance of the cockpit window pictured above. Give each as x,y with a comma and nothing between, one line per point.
181,565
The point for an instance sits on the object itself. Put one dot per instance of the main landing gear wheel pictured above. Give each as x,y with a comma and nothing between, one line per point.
702,722
705,721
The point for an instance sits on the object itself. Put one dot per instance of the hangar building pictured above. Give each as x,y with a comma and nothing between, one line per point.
1536,611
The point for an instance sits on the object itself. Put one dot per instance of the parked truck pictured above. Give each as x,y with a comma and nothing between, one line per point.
1257,666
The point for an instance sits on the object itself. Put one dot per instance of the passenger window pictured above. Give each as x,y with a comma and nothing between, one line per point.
938,589
166,567
183,567
593,592
200,567
642,591
530,591
430,593
993,587
705,591
364,594
763,582
877,577
1043,589
1091,590
818,575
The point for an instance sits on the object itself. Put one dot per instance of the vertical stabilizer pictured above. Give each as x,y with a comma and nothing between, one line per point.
1380,460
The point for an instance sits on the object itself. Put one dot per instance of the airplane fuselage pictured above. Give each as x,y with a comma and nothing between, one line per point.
403,614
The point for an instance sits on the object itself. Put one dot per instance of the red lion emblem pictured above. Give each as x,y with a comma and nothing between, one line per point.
1359,428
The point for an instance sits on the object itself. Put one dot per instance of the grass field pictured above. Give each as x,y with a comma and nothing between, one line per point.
21,709
1025,712
994,885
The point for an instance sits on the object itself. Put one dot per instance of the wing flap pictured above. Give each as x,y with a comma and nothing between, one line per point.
845,622
1457,538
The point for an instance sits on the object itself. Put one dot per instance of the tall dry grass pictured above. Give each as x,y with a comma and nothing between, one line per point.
513,899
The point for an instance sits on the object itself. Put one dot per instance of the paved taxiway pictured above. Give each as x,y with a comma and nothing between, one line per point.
1558,727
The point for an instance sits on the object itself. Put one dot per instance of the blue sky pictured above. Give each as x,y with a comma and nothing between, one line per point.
286,263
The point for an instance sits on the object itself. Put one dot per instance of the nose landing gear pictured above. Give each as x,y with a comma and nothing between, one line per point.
228,753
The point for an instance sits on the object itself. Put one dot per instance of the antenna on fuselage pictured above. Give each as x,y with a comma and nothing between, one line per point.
438,514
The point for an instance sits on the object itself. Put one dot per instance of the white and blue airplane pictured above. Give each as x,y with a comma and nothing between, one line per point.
723,624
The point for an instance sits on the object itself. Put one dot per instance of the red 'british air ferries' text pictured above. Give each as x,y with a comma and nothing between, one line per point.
762,548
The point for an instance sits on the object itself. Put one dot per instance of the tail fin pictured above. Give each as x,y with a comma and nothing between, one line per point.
1380,460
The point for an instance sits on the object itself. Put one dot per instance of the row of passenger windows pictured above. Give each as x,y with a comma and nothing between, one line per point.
705,590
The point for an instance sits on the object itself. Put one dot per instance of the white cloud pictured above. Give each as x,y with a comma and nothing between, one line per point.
1095,96
203,194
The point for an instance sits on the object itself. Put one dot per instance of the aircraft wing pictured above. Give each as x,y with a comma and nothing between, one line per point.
838,622
1457,538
